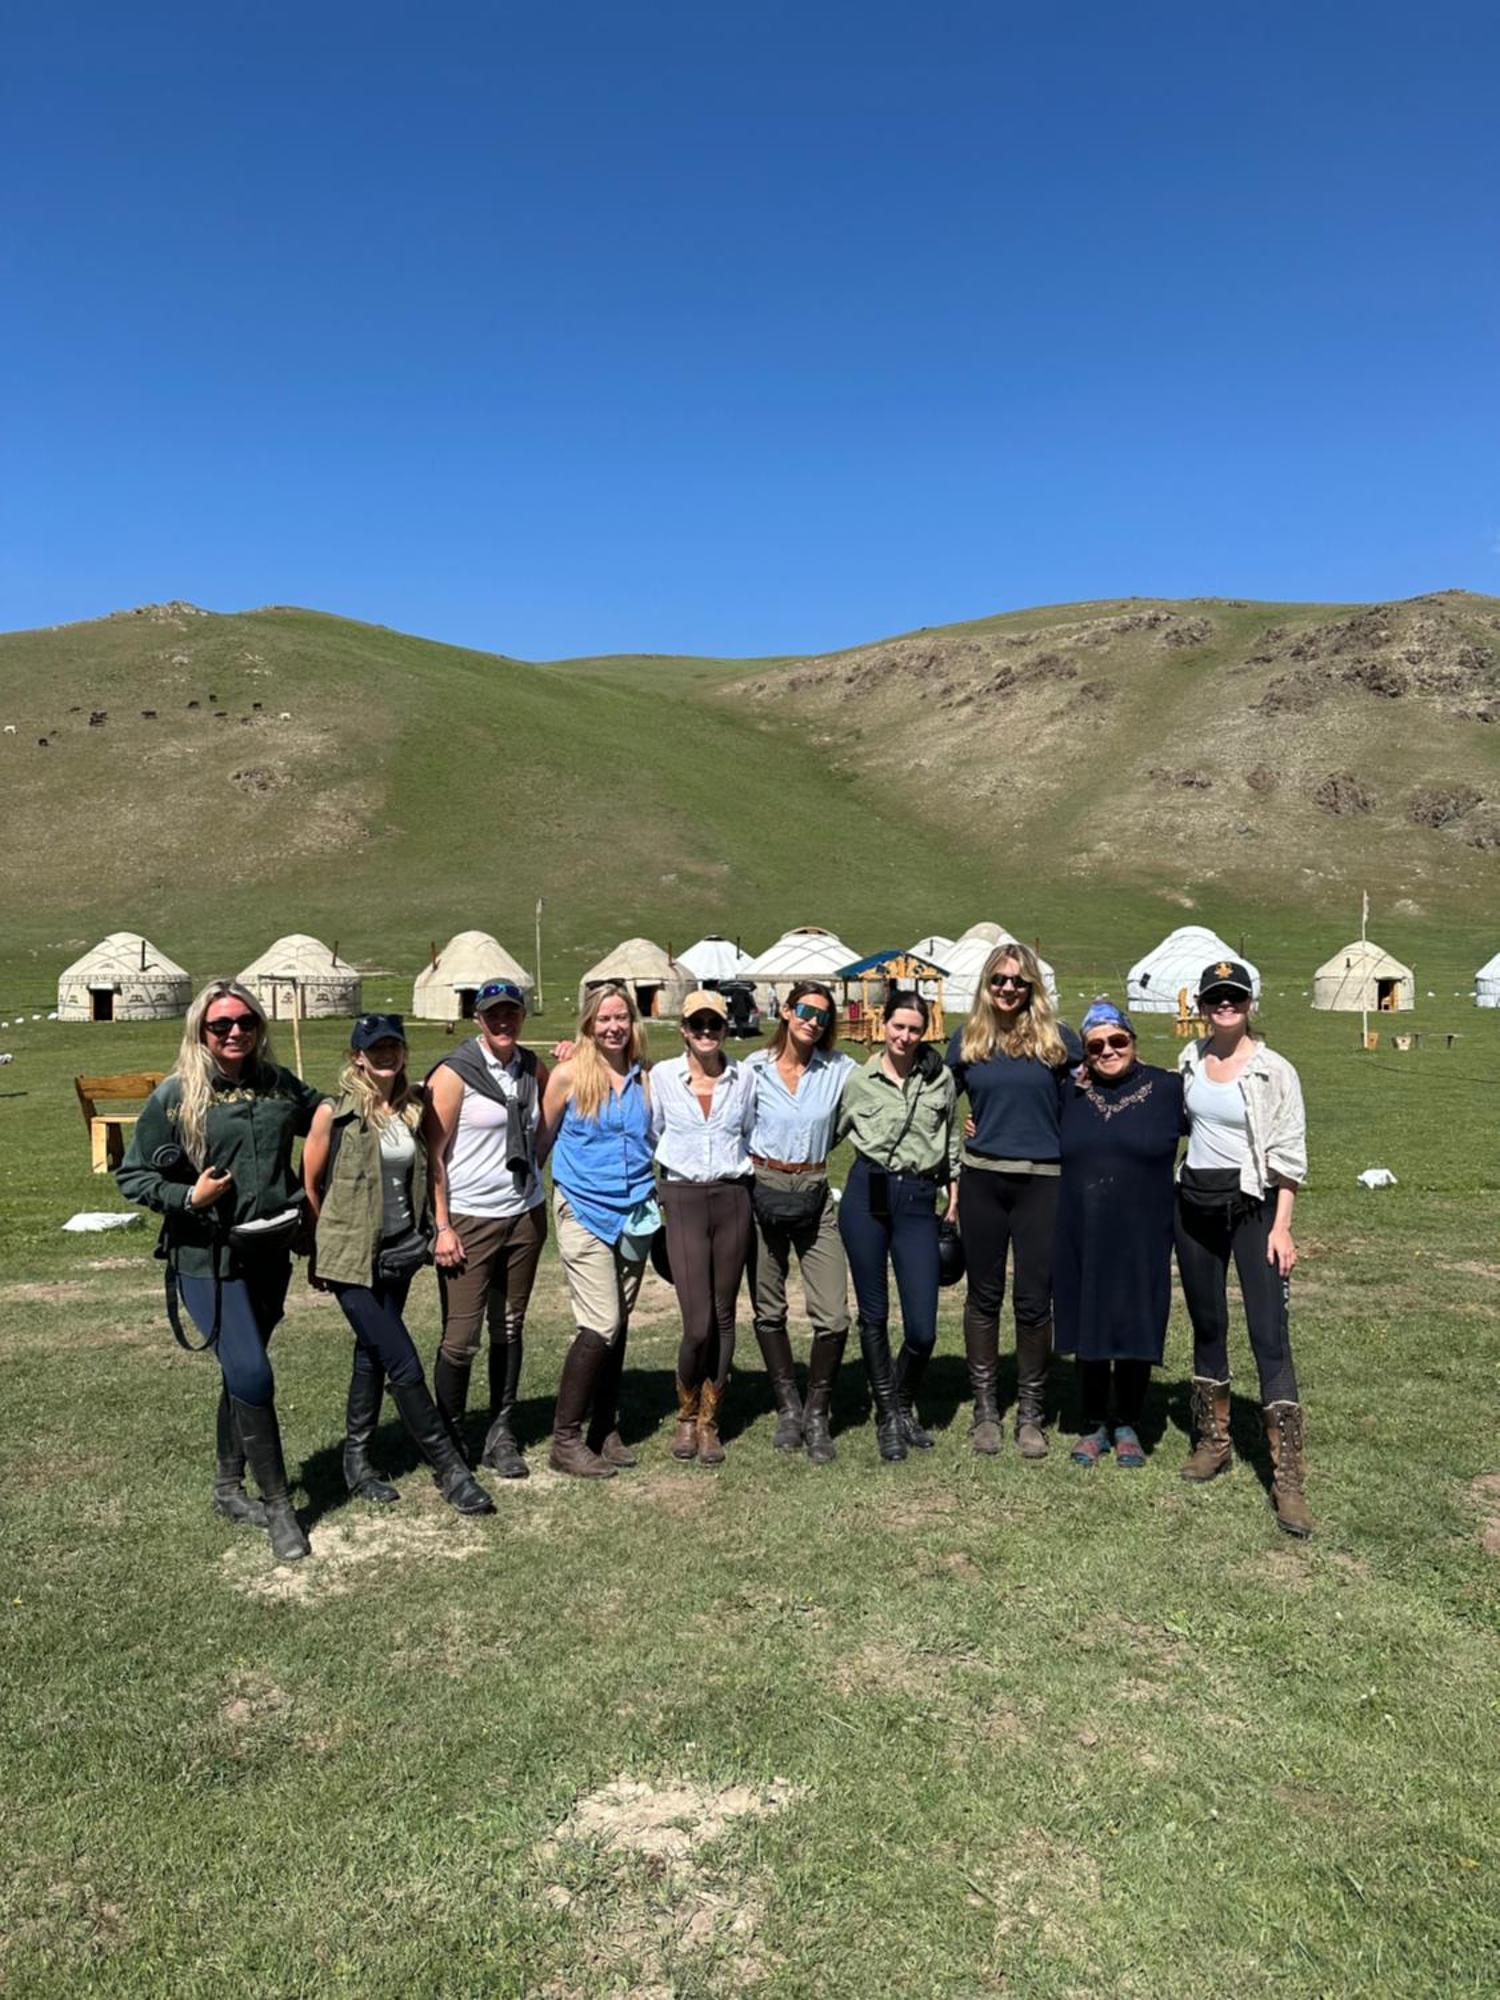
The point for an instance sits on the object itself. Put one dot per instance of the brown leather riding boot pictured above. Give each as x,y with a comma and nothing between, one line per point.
982,1353
685,1440
1212,1452
710,1450
1284,1433
604,1425
582,1366
1033,1359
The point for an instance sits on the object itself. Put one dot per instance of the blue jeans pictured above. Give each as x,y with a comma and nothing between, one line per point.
250,1308
907,1238
382,1345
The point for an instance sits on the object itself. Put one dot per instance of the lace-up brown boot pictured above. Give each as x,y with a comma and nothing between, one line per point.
1212,1452
1284,1433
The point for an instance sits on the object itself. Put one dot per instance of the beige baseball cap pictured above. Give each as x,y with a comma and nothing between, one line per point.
703,1002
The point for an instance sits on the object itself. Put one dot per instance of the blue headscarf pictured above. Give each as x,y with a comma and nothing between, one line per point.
1104,1013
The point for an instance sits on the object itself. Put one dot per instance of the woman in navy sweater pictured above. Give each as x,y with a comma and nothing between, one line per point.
1013,1057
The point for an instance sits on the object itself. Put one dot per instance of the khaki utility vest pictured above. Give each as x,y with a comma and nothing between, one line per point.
349,1226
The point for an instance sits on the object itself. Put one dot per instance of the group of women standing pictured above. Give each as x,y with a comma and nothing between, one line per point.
1061,1174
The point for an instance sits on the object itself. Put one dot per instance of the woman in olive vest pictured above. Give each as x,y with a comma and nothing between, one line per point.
365,1169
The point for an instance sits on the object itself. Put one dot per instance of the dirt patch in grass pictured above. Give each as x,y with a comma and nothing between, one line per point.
670,1821
251,1703
1043,1889
913,1511
682,1495
58,1292
1485,1493
1471,1267
1160,1650
1283,1569
883,1667
345,1556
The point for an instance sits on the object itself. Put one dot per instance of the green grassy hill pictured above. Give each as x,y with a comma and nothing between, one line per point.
1087,774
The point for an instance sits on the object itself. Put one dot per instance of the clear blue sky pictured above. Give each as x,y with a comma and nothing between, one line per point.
744,328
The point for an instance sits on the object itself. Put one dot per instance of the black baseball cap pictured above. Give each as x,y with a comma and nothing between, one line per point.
372,1028
1226,975
494,992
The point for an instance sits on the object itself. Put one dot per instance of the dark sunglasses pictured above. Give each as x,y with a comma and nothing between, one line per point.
1222,998
705,1024
805,1011
1007,980
225,1025
1107,1042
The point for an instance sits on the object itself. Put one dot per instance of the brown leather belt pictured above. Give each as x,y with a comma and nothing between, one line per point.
790,1166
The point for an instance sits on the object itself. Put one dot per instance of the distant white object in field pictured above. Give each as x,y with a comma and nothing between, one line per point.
36,1017
10,729
53,1015
90,1221
285,715
1430,994
1374,1177
6,1057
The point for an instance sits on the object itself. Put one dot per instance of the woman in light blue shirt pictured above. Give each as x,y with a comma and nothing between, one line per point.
702,1113
799,1080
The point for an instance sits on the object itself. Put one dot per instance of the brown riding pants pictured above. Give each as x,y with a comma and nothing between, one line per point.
501,1254
708,1241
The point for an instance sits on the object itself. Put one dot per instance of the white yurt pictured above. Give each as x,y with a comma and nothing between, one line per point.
299,975
966,962
1363,976
444,989
934,948
808,952
1155,981
658,984
124,978
713,959
1487,983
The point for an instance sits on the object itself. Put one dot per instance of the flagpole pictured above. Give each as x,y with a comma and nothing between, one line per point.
1364,990
538,990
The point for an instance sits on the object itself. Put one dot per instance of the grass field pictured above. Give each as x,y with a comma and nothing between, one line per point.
953,1727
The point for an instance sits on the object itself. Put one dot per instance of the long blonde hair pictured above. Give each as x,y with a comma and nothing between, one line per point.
371,1107
1035,1032
195,1067
591,1085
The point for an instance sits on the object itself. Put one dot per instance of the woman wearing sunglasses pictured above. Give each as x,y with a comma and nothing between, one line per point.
365,1172
1013,1057
1246,1159
899,1112
596,1125
212,1154
799,1078
702,1116
1112,1274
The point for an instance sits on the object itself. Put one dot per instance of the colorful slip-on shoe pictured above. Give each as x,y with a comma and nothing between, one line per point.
1091,1447
1128,1448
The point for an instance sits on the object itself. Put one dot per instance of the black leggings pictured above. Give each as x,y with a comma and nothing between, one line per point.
1205,1243
1106,1404
996,1211
382,1345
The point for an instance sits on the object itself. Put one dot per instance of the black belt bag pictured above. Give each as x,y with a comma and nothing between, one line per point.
404,1255
789,1208
1215,1194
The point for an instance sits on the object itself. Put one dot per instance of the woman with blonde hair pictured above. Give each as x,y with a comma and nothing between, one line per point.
1013,1057
212,1155
365,1168
596,1123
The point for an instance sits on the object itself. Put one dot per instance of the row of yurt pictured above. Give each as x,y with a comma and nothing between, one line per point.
444,989
1155,983
658,984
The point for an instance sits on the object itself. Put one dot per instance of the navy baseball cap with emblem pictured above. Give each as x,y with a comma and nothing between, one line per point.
498,993
1226,975
372,1028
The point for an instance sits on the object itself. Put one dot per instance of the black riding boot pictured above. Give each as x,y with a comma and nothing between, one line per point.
822,1373
875,1346
262,1440
366,1387
911,1367
1033,1361
982,1352
230,1498
781,1371
429,1434
450,1391
501,1452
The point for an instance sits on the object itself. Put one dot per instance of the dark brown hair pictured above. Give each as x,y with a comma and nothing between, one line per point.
800,991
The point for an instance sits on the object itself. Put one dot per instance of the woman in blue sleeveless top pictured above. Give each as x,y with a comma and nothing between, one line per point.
596,1122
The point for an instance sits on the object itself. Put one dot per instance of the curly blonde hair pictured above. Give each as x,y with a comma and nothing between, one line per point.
1034,1032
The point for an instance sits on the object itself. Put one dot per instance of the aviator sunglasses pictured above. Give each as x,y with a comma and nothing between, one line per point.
806,1011
222,1028
1113,1043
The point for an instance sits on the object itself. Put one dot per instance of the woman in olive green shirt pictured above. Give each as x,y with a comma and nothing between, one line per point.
899,1112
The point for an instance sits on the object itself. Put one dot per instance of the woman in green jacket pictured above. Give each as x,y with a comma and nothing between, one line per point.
899,1113
212,1154
364,1169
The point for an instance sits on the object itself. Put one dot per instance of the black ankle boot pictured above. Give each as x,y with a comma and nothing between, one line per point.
261,1436
429,1434
230,1498
911,1367
362,1414
501,1452
875,1346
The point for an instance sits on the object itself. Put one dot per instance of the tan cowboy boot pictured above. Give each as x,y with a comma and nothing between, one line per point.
710,1451
685,1441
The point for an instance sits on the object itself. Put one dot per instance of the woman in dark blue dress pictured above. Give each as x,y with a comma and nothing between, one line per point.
1112,1279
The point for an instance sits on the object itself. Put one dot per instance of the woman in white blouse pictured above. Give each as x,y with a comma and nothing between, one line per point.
702,1111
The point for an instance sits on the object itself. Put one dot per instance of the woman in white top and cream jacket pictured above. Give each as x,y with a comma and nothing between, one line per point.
1246,1159
702,1112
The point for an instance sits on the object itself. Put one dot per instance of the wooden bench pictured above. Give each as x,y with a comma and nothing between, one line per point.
107,1125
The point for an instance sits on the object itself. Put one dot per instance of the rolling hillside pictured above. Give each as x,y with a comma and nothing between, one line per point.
1085,773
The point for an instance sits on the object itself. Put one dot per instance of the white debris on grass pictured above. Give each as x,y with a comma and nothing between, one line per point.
1374,1177
92,1220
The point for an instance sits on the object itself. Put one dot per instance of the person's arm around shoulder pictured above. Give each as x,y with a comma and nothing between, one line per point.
445,1097
543,1142
843,1118
554,1104
305,1097
315,1159
955,1143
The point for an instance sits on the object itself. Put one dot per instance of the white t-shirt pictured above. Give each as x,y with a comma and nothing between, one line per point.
479,1181
398,1150
1218,1129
